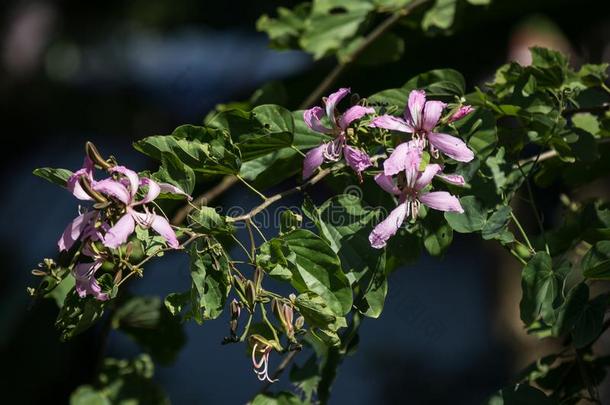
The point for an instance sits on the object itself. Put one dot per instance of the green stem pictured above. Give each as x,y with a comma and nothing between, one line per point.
244,334
516,221
261,195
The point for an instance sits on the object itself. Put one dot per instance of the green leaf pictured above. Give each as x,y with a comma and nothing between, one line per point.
205,150
541,286
78,314
151,326
569,312
318,315
123,382
438,235
596,262
314,266
55,176
332,24
496,225
211,280
173,171
440,15
587,122
286,28
590,323
282,164
281,398
345,224
208,220
473,219
290,220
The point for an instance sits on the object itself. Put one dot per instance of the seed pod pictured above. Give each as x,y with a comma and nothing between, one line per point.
95,156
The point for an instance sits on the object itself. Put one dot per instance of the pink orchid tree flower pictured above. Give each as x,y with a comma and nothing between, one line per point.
409,187
84,273
125,192
261,366
332,151
420,119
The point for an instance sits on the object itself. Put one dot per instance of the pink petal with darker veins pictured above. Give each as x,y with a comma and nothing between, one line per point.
352,114
442,201
392,123
313,159
120,232
388,227
356,159
313,117
451,146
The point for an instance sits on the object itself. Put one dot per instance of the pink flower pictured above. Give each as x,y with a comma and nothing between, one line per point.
463,111
409,188
84,274
261,366
124,191
332,151
420,118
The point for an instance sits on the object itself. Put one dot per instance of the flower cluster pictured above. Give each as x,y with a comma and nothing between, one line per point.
404,173
121,204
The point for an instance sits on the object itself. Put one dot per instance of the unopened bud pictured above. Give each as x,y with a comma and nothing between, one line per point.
299,323
234,322
250,294
461,112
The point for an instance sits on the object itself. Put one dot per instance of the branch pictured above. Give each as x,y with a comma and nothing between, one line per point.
381,29
204,199
549,154
270,200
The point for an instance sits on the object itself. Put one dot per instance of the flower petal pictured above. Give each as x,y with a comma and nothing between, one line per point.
153,190
73,183
74,230
415,108
332,101
118,234
313,159
354,113
454,179
356,159
432,113
388,227
132,176
163,228
86,284
442,201
406,155
424,178
387,184
392,123
312,118
451,146
171,189
114,189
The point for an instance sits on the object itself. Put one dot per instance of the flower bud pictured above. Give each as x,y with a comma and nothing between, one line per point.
461,112
84,183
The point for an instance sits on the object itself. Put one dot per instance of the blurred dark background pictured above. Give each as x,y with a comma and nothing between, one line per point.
115,71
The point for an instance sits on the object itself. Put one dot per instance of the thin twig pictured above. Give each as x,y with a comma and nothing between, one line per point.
270,200
204,199
374,35
549,154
